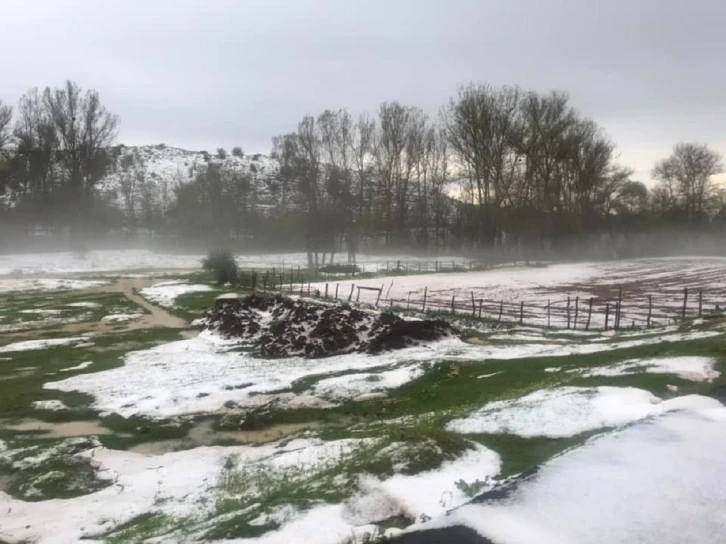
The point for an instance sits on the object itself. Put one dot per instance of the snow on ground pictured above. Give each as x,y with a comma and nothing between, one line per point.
662,481
45,284
663,278
434,492
567,411
174,483
165,293
352,386
50,405
28,345
139,259
696,369
84,305
80,366
201,374
120,318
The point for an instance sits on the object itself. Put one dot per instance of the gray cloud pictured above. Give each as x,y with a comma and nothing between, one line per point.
223,73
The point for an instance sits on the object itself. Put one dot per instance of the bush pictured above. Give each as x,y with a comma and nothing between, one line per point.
340,269
237,152
222,264
221,153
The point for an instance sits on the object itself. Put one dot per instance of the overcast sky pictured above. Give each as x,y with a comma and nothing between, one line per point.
204,74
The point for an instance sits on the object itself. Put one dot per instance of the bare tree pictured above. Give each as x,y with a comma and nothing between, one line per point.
690,169
6,117
84,128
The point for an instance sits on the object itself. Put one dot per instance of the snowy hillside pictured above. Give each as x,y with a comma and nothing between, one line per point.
153,171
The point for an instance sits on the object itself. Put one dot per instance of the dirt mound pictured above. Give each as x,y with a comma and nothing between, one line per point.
283,327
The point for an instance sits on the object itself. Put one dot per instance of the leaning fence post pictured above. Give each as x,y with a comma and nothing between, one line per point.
568,312
589,316
453,310
336,291
607,314
521,313
548,313
650,310
350,297
685,301
424,300
577,306
700,302
473,304
379,296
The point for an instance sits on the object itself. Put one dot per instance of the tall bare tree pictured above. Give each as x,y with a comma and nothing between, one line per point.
689,170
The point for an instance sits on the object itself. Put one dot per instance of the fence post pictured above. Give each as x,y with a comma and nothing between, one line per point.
473,304
326,290
521,313
548,313
254,280
379,295
350,297
408,300
424,301
336,291
577,307
357,297
453,310
619,309
501,309
589,316
481,301
264,281
308,288
685,301
607,314
301,289
650,310
700,302
568,312
291,274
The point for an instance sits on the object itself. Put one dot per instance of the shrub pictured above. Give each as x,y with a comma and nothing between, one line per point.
237,152
221,264
221,153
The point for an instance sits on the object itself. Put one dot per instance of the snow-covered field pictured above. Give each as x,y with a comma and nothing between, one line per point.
627,442
136,259
663,279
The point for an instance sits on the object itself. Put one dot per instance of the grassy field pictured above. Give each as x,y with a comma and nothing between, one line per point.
250,487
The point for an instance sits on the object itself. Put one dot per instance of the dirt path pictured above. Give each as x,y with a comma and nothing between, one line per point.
156,317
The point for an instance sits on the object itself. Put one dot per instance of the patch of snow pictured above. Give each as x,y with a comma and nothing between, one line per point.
28,345
50,405
166,292
354,385
657,482
120,318
84,305
45,284
41,311
564,411
434,492
697,369
80,366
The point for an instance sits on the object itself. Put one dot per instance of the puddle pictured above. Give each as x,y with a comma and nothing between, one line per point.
203,434
59,430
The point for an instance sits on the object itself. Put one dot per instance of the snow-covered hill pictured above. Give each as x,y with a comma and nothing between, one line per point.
153,171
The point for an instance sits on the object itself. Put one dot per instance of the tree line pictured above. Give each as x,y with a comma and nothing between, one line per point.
498,168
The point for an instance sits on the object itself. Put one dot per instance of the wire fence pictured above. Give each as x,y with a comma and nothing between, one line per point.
567,312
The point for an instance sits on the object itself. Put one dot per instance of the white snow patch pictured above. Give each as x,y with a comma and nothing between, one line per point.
120,318
564,411
80,366
84,304
29,345
697,369
166,292
434,492
41,311
355,385
50,405
45,284
657,482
